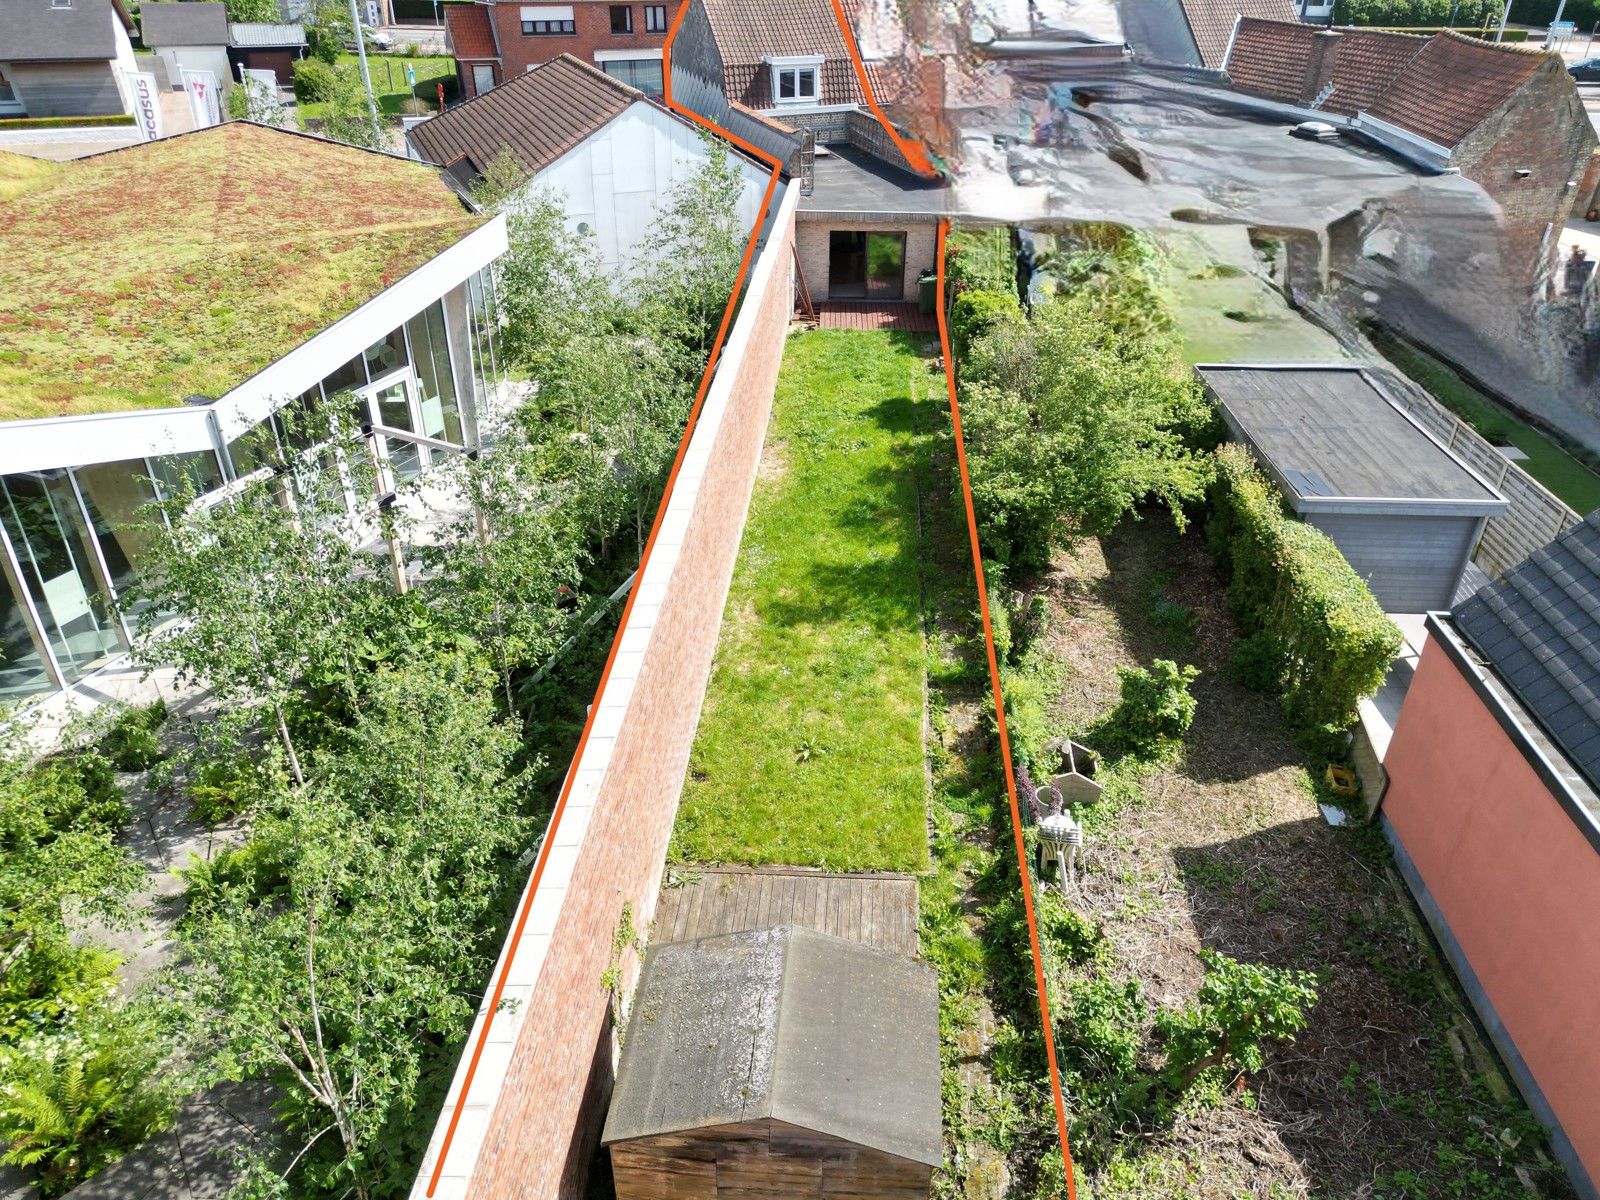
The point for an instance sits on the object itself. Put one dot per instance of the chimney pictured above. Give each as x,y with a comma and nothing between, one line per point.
1319,69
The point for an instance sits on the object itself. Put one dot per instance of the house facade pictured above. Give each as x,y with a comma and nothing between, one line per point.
1508,117
176,372
605,150
190,36
1493,810
65,58
495,41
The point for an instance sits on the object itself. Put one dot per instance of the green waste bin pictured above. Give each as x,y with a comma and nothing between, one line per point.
927,293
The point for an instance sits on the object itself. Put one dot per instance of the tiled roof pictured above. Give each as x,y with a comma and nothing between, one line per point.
749,31
36,29
538,116
1211,22
1452,86
470,31
1277,60
1539,627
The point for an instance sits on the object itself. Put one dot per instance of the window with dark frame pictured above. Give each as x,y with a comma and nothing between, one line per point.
545,28
622,18
655,18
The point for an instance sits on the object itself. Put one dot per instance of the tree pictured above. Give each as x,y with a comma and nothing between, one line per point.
341,959
257,11
346,115
328,30
1071,423
1241,1006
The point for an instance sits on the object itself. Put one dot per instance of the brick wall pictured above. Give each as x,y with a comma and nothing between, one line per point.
531,1121
1543,129
592,19
811,239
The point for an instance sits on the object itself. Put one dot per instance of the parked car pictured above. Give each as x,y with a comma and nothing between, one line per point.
376,39
1587,71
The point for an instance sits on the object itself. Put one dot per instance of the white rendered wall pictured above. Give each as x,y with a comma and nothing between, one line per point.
615,180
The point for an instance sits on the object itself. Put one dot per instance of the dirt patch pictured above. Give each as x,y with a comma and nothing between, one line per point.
1229,852
774,460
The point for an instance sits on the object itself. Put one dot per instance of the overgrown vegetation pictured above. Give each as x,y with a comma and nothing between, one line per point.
1317,635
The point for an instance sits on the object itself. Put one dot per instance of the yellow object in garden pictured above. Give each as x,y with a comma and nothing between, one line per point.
1341,779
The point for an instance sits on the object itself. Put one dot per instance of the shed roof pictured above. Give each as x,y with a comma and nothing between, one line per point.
748,32
1332,437
538,116
37,31
470,30
256,34
193,23
1539,627
1211,22
192,262
787,1024
1454,84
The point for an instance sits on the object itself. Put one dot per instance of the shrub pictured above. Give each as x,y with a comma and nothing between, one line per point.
314,81
1240,1007
974,313
1289,582
981,258
77,791
131,743
1153,714
1258,662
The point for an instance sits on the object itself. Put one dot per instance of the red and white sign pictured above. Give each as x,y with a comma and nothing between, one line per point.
146,104
205,98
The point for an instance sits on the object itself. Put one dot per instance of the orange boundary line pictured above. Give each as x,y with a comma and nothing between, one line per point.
1000,723
915,153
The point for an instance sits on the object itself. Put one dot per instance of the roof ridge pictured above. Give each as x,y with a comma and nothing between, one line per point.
1467,39
567,56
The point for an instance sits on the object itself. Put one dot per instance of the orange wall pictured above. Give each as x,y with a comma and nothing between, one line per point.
1515,879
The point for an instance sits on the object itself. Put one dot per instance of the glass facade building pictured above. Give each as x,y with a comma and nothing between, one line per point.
73,537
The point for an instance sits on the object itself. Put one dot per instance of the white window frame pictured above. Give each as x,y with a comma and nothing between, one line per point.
14,106
797,65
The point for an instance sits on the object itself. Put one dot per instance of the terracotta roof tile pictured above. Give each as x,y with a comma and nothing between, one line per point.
1367,63
1277,60
1211,22
748,31
538,116
1453,85
470,31
1271,58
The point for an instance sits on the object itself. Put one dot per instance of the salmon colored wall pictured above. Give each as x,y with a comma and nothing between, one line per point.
1514,877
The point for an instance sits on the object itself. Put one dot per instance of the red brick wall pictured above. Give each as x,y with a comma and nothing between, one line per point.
1513,877
593,21
1543,129
548,1115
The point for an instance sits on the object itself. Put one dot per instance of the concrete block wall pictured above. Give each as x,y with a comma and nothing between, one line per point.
531,1120
811,240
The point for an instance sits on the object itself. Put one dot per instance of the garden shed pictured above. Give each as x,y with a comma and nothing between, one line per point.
778,1062
1404,511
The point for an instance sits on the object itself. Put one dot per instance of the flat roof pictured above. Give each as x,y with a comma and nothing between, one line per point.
1332,436
849,180
174,270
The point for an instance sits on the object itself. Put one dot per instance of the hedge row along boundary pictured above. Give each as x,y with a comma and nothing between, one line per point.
1313,623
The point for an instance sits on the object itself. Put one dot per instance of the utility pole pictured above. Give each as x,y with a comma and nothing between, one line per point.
1499,34
1550,38
366,78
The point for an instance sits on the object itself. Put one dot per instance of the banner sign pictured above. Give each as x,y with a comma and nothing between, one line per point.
146,104
205,100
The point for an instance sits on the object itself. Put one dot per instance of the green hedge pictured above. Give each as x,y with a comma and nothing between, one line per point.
975,312
981,258
1292,589
64,122
1466,16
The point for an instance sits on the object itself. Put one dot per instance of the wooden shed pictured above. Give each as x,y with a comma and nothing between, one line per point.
780,1062
1404,511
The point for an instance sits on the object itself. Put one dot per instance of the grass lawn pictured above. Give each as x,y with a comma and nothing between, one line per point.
1547,461
810,749
389,84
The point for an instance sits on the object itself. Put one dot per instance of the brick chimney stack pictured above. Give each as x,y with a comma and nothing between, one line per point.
1319,70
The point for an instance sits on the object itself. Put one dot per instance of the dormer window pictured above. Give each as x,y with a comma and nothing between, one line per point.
796,79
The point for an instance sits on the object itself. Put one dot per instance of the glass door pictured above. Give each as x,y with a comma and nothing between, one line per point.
393,402
886,266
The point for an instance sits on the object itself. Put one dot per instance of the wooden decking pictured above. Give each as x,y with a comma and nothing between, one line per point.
877,909
834,314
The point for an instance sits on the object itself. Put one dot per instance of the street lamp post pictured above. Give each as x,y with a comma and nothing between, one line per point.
366,77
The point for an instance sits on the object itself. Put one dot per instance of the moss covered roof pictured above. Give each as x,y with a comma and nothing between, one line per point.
179,268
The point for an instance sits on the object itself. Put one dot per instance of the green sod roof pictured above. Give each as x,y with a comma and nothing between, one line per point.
147,276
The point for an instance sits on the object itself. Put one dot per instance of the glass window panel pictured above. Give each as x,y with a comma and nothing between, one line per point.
48,532
118,498
786,85
348,377
22,670
886,265
387,356
196,471
441,412
392,407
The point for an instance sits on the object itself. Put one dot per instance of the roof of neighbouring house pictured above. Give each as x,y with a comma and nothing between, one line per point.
849,180
1332,436
538,116
1273,59
37,31
192,23
255,35
1454,84
748,32
190,263
1538,626
785,1024
1211,22
470,30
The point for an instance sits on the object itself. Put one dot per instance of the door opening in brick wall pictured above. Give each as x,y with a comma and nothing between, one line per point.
866,266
